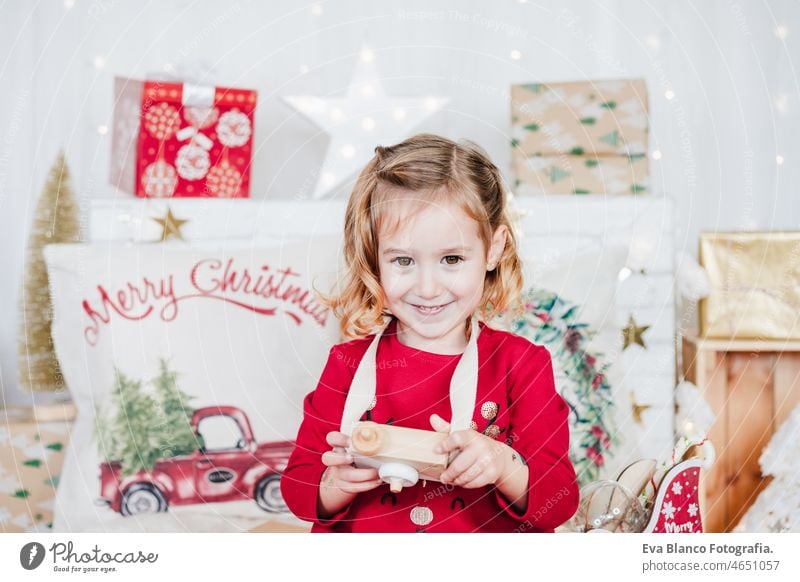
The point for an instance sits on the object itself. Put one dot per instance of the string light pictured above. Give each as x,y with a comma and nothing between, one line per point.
653,41
781,31
399,114
99,62
516,55
367,55
782,102
303,69
102,129
624,273
669,94
431,103
368,124
348,151
656,154
69,4
779,159
316,9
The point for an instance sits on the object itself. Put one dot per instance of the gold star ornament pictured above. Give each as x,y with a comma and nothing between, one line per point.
632,334
170,226
637,409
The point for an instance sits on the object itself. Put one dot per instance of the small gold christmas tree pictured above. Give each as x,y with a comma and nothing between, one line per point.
56,221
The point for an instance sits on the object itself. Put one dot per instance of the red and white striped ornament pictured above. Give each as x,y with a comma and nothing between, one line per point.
159,179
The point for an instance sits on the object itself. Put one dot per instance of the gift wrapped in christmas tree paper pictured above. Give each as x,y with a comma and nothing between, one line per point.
755,285
581,174
182,140
32,445
581,137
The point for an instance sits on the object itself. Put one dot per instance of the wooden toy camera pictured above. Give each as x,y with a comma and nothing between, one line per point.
402,455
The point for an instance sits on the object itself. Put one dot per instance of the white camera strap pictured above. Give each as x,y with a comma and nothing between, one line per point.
463,385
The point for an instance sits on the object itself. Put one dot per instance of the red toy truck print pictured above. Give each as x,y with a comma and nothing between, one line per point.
230,466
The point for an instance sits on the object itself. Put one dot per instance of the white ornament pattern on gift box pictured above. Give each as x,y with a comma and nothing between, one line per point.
159,179
192,162
234,129
201,117
161,121
223,180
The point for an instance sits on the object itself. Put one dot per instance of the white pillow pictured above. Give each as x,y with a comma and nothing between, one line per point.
258,345
586,274
582,272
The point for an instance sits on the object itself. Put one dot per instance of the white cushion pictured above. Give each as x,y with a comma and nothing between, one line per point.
223,350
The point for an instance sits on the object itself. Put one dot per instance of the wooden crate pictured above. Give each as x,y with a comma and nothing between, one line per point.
751,386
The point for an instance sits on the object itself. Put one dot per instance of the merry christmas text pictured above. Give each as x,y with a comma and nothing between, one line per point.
209,279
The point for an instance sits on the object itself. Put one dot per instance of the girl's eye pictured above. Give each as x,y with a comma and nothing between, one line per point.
408,261
453,262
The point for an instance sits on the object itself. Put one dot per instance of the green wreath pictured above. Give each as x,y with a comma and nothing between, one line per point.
551,321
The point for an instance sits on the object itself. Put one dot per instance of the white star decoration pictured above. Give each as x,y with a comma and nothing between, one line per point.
692,509
668,510
362,120
677,488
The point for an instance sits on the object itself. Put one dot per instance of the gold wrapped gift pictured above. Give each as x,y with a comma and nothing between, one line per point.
755,285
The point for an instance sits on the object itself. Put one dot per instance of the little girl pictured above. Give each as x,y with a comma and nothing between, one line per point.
428,245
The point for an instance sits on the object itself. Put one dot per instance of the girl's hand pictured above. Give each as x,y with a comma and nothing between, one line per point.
340,473
479,462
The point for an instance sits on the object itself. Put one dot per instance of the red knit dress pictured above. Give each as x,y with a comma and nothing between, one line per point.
516,403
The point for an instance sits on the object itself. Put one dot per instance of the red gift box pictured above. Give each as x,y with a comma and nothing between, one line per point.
190,140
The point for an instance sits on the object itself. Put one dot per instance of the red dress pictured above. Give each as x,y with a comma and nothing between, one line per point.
516,403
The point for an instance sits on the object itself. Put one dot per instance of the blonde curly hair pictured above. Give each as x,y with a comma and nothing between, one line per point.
439,171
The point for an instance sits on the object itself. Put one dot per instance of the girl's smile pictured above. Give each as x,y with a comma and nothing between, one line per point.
431,310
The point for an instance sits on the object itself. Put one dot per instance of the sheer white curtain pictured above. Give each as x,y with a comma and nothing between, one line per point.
722,78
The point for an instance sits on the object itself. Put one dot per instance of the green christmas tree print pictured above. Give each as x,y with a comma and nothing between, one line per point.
145,425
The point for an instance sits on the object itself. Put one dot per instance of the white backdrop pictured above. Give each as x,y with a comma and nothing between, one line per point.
721,75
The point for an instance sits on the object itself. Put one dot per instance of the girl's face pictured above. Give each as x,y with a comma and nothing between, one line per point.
432,270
